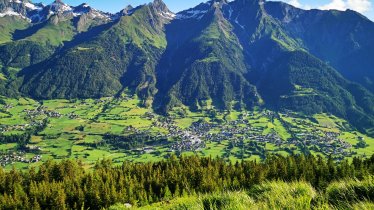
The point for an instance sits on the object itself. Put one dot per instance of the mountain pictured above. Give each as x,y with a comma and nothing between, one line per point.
123,55
37,30
206,62
230,54
37,13
343,39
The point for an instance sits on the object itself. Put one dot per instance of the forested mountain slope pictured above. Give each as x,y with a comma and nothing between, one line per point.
232,54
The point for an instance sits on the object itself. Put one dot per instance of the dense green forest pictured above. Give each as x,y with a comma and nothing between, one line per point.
67,185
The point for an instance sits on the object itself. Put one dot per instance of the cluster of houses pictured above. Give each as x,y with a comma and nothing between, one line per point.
8,106
199,133
73,116
22,127
103,100
327,143
41,110
33,148
33,115
149,115
187,141
14,157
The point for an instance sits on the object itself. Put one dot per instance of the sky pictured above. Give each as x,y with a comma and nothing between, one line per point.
365,7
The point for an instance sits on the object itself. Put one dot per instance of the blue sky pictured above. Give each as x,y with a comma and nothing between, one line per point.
365,7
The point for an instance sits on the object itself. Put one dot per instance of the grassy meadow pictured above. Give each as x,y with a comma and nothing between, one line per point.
79,128
349,194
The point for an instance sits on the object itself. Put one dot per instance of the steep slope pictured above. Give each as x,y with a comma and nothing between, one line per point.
205,63
33,32
261,36
300,81
273,51
61,23
8,25
123,56
20,8
231,54
286,72
343,39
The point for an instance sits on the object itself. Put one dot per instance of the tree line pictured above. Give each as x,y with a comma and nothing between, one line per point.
67,185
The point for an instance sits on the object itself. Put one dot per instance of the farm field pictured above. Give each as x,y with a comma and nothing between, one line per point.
120,129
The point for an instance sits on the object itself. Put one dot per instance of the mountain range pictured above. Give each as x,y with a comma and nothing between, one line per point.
231,54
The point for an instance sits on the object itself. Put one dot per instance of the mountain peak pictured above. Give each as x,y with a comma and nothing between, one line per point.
128,10
83,8
58,2
160,7
85,5
197,12
60,7
17,8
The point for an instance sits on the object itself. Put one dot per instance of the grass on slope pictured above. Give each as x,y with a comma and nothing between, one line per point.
53,34
8,25
353,139
345,193
276,195
138,32
231,200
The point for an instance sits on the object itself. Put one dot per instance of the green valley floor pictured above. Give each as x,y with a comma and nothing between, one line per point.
32,132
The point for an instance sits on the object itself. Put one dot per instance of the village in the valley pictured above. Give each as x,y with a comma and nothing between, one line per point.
240,132
244,135
250,139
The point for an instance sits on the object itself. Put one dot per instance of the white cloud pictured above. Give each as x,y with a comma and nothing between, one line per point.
359,5
335,4
362,6
295,3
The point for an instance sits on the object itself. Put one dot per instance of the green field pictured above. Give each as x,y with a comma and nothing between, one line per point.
77,128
